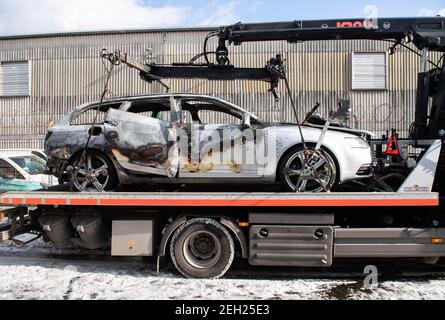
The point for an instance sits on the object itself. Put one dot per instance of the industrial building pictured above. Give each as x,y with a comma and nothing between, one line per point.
44,76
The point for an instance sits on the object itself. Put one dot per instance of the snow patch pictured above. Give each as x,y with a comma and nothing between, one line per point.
28,273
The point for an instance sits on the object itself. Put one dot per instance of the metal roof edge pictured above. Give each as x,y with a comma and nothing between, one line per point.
171,29
104,32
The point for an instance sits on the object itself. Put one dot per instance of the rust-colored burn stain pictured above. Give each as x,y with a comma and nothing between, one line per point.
198,167
236,167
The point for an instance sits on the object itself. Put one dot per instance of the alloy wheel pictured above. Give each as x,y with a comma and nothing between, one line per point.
92,174
310,171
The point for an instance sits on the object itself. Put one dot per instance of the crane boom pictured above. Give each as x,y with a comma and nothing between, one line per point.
428,32
425,33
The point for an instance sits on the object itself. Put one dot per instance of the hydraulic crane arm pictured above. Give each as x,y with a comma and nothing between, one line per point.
271,73
423,32
151,72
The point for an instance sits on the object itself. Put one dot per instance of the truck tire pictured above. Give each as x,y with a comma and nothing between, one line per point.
202,248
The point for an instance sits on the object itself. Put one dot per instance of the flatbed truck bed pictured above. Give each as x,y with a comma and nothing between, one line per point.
269,229
221,199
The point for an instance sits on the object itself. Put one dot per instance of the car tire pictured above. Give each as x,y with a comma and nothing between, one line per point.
108,181
330,170
202,248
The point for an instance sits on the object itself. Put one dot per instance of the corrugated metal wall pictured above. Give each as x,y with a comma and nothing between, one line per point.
67,71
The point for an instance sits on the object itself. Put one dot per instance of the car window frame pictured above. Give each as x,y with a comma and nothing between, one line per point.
223,108
89,108
17,174
129,103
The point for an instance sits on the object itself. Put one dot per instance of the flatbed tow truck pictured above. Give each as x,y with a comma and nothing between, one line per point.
202,232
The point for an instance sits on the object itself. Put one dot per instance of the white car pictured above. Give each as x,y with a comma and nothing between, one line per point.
186,139
24,170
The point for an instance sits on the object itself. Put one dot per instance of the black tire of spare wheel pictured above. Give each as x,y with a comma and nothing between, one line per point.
113,179
214,230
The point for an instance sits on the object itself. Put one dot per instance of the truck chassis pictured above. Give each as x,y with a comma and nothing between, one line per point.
269,229
202,233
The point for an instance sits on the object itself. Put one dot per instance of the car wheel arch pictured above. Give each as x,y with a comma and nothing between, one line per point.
299,145
109,156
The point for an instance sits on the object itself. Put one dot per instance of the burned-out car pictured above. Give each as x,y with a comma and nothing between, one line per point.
186,139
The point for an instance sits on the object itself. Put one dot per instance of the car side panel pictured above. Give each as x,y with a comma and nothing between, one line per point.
225,151
63,142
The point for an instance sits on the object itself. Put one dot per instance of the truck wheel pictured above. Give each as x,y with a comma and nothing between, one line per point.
202,248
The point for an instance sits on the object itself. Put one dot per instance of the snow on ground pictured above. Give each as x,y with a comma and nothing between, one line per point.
38,271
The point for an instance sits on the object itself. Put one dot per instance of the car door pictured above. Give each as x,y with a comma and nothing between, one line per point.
222,145
143,143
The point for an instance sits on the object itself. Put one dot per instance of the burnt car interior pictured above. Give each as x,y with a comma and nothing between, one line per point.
202,111
94,114
338,118
206,111
159,109
192,110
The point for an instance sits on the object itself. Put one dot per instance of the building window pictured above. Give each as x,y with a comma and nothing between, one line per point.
369,71
15,79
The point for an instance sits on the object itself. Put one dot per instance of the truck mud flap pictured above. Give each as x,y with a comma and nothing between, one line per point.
305,246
